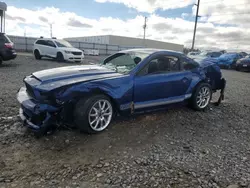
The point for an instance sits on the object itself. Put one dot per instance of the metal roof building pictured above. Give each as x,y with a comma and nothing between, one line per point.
127,42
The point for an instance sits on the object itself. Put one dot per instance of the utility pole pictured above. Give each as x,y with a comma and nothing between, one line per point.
195,25
51,30
144,28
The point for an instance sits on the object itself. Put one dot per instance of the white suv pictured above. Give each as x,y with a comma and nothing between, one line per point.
59,49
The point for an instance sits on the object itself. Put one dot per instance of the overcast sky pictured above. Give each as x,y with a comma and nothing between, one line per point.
223,24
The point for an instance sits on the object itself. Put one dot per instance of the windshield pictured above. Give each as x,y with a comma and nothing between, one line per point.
124,62
63,43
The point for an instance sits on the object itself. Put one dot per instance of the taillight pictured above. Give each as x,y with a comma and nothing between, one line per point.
8,45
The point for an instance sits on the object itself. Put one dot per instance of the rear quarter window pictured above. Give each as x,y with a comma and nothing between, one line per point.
40,42
4,39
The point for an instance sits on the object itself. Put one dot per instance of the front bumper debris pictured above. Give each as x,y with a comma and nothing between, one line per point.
36,116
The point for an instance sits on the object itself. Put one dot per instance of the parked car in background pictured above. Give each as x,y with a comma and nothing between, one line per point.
127,82
7,51
58,49
227,60
243,64
206,54
214,54
193,54
243,54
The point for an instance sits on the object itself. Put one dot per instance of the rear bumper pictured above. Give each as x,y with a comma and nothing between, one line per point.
35,115
8,54
243,67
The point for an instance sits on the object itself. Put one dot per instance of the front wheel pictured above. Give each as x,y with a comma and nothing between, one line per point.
94,114
201,97
59,57
37,55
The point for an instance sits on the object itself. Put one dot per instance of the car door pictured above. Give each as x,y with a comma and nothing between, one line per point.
41,46
161,82
51,48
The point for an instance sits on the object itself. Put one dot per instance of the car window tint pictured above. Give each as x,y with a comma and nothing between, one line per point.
50,43
4,39
122,60
161,64
189,64
42,42
39,42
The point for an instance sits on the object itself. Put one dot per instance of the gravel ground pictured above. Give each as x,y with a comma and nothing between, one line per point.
172,148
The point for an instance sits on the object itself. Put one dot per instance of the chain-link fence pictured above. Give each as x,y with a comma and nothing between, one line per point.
25,44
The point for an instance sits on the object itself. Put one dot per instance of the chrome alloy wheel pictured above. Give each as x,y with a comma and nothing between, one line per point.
100,115
203,97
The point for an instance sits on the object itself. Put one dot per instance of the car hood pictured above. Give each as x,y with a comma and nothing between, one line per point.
70,49
57,77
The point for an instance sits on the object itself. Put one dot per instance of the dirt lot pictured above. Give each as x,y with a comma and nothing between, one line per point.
174,148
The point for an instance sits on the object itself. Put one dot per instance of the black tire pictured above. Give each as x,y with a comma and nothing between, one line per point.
37,54
193,100
59,57
1,60
82,110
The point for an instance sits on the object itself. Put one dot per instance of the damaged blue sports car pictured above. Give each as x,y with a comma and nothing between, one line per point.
130,81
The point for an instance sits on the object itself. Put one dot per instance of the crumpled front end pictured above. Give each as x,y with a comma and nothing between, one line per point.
35,115
214,77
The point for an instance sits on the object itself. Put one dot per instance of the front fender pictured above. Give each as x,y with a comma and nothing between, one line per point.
120,90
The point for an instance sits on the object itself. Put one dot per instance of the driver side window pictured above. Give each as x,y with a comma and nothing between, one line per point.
161,64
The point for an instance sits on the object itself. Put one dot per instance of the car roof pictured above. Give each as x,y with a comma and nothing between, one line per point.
149,50
49,39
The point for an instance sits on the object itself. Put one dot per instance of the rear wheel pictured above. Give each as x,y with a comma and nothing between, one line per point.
93,114
201,97
59,57
37,54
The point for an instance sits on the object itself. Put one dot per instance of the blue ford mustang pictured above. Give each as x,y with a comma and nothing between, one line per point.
88,96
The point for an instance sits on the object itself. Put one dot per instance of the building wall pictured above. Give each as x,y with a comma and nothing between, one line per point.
128,41
103,39
26,44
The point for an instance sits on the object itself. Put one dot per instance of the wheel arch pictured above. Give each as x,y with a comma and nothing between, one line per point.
59,52
36,49
197,84
99,91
